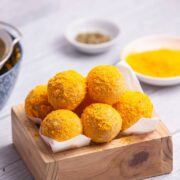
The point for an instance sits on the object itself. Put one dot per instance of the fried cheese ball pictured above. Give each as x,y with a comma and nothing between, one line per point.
61,125
66,90
132,106
101,122
36,103
105,84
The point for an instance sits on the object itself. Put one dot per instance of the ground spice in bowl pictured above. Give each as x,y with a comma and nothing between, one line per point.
92,38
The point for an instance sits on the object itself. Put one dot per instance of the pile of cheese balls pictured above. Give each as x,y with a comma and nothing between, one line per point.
98,106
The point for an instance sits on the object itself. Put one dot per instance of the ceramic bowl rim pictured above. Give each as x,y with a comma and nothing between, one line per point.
132,43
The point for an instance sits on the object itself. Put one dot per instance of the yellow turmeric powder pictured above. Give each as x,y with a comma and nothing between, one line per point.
101,122
157,63
127,139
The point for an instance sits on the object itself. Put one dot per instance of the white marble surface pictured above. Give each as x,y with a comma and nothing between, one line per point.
46,52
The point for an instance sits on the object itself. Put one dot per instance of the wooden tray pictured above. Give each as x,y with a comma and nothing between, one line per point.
132,157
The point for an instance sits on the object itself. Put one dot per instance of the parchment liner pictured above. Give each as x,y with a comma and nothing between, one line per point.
76,142
144,125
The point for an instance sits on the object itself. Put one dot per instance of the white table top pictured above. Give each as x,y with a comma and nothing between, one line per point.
46,52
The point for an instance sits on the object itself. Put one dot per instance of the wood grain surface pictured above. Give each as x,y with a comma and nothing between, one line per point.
46,52
131,157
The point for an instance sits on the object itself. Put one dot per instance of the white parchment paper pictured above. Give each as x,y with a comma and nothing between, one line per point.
144,125
76,142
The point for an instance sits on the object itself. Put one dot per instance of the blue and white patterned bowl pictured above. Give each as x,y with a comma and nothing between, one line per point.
8,79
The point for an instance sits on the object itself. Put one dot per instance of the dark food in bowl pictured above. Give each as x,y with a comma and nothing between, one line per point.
12,60
2,48
9,73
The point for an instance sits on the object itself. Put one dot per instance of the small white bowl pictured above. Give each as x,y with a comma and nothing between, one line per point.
89,25
153,43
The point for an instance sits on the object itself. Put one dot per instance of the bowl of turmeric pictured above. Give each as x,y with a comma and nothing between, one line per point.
155,59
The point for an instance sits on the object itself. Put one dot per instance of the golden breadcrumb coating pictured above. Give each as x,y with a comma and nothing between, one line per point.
36,102
61,125
66,90
101,122
105,84
133,106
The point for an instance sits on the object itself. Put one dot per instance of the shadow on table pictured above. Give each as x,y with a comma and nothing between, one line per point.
68,50
150,89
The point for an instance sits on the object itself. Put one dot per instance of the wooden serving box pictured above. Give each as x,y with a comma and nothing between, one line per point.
132,157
